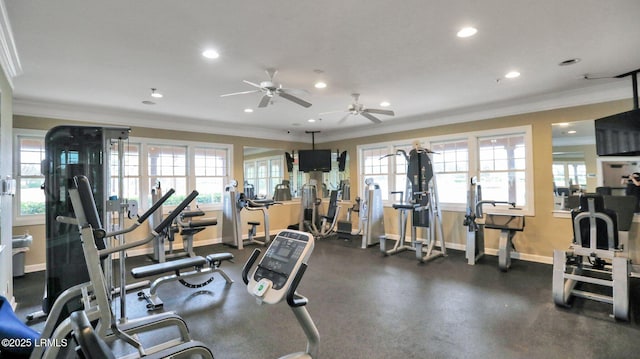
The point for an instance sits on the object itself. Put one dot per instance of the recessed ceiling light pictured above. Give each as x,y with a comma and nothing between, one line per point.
569,62
512,74
311,120
385,104
210,54
248,110
467,32
320,85
571,132
155,94
563,124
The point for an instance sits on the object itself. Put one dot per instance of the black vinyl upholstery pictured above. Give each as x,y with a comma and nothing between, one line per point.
601,226
90,345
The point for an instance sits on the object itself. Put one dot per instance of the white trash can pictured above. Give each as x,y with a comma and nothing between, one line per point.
20,245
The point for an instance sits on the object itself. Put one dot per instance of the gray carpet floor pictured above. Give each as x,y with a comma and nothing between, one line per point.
369,306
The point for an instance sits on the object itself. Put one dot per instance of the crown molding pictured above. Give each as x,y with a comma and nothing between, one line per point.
611,91
113,116
104,115
9,60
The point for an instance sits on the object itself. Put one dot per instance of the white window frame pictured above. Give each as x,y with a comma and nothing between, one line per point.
390,147
191,178
18,219
144,185
474,162
472,137
272,181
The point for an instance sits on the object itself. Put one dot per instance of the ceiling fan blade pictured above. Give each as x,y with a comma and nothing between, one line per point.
239,93
251,83
292,98
371,117
380,112
344,118
264,101
294,91
328,112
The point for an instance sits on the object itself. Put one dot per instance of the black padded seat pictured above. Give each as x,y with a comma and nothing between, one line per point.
602,241
504,221
171,266
403,206
90,344
624,206
203,222
261,202
219,257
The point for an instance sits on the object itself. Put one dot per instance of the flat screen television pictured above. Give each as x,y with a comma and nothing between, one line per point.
314,160
618,135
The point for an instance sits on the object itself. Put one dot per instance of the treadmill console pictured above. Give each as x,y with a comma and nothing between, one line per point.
277,268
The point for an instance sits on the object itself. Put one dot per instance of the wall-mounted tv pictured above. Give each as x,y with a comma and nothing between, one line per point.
618,135
314,160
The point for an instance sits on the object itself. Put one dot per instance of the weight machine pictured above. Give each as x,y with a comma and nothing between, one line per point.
597,266
421,201
476,221
232,205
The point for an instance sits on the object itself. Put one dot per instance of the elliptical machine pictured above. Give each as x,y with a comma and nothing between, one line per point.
278,274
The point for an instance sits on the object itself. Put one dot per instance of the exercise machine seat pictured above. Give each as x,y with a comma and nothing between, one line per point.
333,205
89,344
12,328
170,266
601,225
624,206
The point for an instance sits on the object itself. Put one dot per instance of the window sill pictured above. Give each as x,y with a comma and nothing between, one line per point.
28,221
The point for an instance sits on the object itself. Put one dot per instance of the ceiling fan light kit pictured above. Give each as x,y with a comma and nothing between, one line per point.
356,108
269,89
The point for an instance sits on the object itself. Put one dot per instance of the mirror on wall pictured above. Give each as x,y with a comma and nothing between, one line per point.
264,170
574,165
265,173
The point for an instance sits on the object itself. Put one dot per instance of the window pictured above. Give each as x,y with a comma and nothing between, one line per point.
501,160
168,166
375,165
131,175
210,174
566,174
183,166
502,168
264,174
30,196
451,164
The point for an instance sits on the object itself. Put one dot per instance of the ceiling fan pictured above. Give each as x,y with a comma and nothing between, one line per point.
269,89
357,108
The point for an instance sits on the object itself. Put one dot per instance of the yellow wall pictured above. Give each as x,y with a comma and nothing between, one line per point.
543,231
280,215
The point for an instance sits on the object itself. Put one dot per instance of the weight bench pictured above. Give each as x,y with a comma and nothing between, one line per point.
200,265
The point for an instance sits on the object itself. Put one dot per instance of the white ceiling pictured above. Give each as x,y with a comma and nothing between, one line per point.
97,60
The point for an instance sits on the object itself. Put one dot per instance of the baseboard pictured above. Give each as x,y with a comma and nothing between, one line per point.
494,252
456,246
35,267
